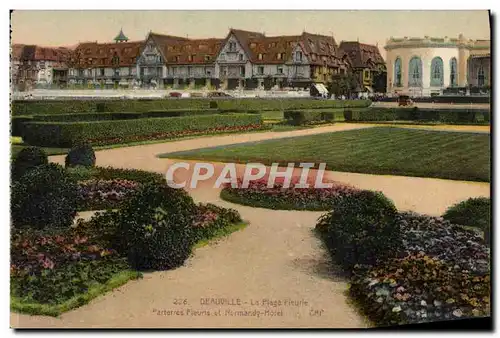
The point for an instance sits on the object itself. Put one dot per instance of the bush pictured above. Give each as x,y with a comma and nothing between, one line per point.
213,105
17,124
298,118
361,229
44,197
121,131
28,158
474,212
155,225
82,154
81,173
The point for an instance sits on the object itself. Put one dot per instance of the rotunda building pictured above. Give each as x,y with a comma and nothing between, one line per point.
426,66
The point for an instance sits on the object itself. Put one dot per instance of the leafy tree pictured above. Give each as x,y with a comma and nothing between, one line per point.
343,84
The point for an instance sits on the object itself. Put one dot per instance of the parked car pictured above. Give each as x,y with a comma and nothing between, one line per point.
175,94
404,100
218,94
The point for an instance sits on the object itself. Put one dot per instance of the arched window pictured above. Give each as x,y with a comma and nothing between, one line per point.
437,78
453,72
415,72
480,76
397,73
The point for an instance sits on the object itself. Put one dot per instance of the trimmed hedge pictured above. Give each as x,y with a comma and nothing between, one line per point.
117,115
33,107
301,117
17,124
110,132
418,114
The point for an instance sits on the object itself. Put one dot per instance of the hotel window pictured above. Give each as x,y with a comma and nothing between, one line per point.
190,70
278,56
174,70
280,70
176,59
207,57
260,70
101,71
453,72
481,77
208,72
437,78
298,56
260,56
232,46
240,57
242,70
117,71
222,56
190,58
415,70
397,72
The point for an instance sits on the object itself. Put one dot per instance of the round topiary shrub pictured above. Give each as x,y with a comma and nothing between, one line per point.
156,227
81,154
474,212
27,159
361,229
44,197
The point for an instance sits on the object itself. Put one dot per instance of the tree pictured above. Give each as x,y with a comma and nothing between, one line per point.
343,84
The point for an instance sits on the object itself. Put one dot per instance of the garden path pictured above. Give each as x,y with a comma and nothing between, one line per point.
277,257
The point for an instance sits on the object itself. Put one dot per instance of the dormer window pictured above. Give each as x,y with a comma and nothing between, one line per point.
260,56
176,58
190,58
298,56
279,56
240,57
207,57
232,46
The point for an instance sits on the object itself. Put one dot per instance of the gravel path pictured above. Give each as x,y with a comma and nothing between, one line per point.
275,259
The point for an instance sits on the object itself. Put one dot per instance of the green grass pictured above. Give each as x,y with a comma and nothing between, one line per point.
220,233
379,150
117,280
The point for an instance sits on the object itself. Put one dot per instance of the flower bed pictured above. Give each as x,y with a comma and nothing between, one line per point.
440,271
54,267
99,194
57,270
279,198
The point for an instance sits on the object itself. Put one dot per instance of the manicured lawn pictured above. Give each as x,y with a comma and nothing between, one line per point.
380,150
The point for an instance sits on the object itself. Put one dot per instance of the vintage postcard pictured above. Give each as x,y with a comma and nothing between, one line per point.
250,169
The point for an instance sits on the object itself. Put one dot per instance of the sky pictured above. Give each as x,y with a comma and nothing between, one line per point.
68,28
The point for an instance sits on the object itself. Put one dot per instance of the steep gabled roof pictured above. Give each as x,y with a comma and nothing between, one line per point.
361,54
195,51
93,54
